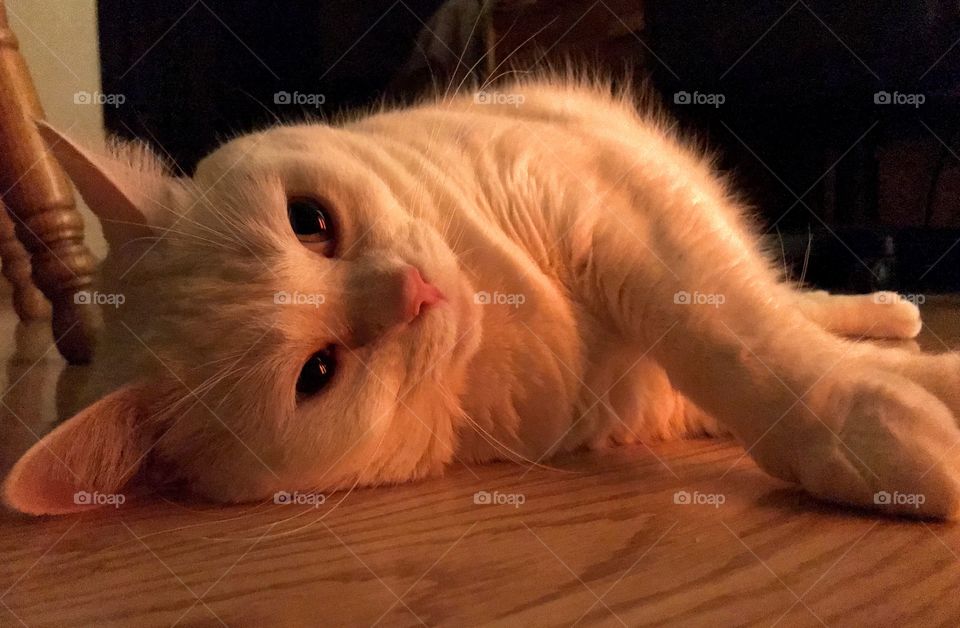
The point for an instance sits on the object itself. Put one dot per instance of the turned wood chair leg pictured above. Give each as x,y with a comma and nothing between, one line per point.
40,202
28,302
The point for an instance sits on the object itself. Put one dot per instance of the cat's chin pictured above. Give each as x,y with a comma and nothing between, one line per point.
433,335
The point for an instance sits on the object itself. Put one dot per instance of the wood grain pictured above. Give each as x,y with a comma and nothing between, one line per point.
599,525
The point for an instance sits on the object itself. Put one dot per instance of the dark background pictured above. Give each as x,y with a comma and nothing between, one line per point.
878,185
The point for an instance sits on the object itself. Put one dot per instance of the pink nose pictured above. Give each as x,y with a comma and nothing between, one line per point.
418,294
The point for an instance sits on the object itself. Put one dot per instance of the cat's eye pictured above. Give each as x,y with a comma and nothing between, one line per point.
317,372
311,221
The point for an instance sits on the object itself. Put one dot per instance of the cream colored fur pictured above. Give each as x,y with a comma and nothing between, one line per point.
596,215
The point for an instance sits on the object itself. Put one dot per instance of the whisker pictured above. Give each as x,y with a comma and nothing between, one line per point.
501,446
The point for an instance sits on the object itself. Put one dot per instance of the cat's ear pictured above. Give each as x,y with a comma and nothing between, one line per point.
129,190
87,461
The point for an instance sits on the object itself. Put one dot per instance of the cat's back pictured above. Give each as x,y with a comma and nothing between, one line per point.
546,101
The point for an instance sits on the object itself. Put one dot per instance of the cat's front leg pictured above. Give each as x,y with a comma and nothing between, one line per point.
809,407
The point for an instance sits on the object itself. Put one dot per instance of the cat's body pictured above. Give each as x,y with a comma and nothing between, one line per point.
518,191
600,285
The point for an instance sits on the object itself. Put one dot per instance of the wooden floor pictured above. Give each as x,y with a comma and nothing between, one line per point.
600,541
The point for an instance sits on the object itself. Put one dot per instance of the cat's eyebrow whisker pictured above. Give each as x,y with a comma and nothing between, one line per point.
490,49
246,372
459,236
227,371
493,79
434,82
182,216
172,407
211,382
467,252
463,52
219,375
197,392
169,230
158,238
448,223
459,239
509,56
222,244
230,220
230,356
276,118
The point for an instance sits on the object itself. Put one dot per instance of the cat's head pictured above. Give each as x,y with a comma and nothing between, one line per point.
289,318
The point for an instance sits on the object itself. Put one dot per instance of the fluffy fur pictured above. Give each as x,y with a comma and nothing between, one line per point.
562,196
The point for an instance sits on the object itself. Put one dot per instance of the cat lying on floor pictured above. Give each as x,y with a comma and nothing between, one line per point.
507,275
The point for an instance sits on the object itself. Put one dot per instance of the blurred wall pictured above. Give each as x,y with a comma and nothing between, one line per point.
59,41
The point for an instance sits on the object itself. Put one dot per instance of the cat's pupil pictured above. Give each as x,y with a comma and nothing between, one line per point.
316,372
309,220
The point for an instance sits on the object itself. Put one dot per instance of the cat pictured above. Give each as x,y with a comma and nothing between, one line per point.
502,275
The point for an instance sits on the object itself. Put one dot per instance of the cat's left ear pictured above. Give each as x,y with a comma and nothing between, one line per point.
89,460
129,191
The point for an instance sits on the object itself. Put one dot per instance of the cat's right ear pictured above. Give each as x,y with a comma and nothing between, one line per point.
129,192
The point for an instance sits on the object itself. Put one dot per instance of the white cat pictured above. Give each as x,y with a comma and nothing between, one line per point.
499,276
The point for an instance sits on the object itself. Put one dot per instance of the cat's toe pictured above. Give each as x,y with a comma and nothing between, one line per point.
897,317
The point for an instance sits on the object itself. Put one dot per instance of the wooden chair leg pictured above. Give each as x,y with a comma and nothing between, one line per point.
28,302
40,201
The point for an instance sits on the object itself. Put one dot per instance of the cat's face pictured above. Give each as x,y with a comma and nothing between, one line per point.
354,315
302,325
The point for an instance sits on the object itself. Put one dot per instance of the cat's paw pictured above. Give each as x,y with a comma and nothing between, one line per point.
894,316
879,442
